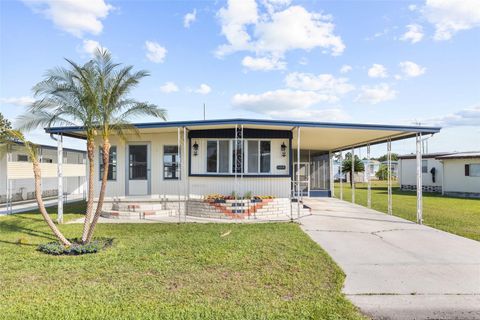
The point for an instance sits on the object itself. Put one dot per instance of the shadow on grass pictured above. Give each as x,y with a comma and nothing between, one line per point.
34,233
19,244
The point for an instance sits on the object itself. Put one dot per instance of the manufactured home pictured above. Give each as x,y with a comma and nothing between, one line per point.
16,174
240,157
449,173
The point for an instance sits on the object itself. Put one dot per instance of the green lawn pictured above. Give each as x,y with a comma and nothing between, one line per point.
170,271
455,215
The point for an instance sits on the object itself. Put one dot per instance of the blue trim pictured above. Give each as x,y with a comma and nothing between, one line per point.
320,193
283,123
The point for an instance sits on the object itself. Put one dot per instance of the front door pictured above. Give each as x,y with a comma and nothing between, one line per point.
301,184
138,169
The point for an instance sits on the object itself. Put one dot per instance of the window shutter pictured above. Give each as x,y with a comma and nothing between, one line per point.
467,170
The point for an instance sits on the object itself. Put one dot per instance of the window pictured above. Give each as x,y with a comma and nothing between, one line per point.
217,156
171,163
258,156
137,157
47,160
112,164
472,170
22,158
424,166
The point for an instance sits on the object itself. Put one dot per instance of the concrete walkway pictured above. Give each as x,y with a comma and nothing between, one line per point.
397,269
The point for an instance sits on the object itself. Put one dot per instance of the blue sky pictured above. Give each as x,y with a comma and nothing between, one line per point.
395,62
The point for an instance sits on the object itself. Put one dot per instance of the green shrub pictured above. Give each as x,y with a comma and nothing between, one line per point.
77,248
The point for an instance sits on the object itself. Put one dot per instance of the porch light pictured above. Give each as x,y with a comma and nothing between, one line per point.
283,147
195,149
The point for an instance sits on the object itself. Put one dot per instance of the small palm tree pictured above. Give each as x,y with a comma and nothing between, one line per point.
347,166
12,137
114,83
66,97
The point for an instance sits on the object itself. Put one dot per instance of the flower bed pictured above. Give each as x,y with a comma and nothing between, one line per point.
219,198
77,248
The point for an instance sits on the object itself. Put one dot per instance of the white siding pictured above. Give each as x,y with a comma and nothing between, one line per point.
408,172
3,175
455,179
24,170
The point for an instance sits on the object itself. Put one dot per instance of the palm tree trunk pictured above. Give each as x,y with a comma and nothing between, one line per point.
91,174
41,205
103,188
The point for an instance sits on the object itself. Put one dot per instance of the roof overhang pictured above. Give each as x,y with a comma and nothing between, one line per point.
328,136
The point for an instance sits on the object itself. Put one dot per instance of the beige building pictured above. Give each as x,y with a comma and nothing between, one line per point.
456,174
16,174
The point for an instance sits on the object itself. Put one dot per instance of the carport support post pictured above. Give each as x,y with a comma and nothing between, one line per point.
298,171
352,168
419,179
330,165
369,182
389,175
60,178
179,171
184,160
341,174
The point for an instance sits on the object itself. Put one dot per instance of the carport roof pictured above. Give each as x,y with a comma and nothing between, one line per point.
332,136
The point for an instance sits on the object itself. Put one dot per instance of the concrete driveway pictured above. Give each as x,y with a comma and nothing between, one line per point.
397,269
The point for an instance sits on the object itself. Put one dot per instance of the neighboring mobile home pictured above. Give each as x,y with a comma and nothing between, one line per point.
281,159
454,173
16,174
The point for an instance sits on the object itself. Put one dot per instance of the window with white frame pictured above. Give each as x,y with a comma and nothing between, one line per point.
472,170
259,156
218,156
22,158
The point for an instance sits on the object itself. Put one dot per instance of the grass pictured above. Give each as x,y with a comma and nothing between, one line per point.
455,215
169,271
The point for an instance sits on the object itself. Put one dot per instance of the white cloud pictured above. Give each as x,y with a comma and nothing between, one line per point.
345,68
73,16
412,7
90,46
155,52
286,103
278,30
411,69
17,101
322,83
414,33
189,18
451,16
263,64
169,87
376,94
203,89
466,117
377,71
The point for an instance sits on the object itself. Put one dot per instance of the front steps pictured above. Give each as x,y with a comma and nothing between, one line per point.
138,208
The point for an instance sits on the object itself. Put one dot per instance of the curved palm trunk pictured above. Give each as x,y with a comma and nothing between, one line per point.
103,188
41,205
91,173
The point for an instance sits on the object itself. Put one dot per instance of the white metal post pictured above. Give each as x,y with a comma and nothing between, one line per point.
369,182
179,171
341,175
332,176
60,178
242,153
185,173
389,175
419,179
298,171
235,189
353,175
